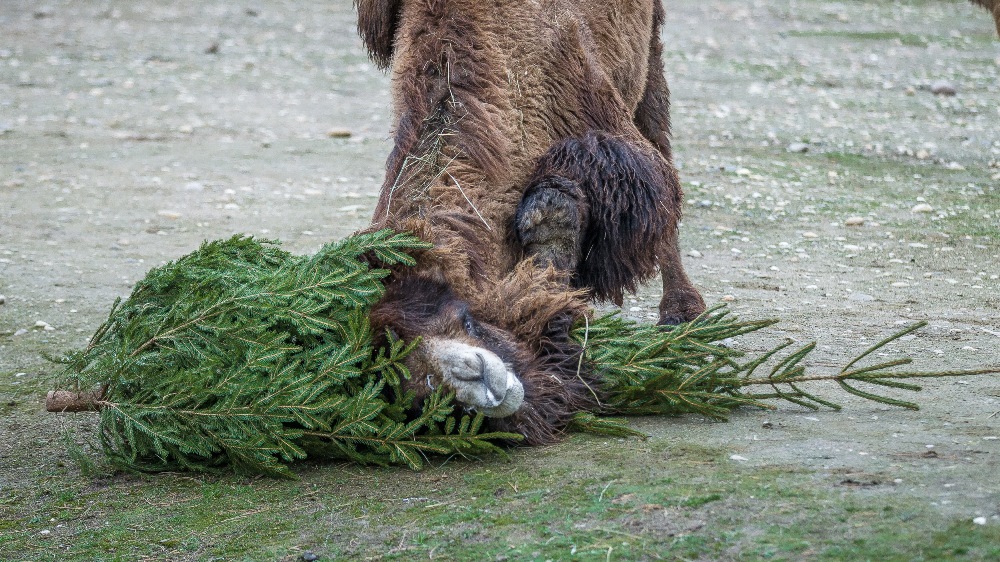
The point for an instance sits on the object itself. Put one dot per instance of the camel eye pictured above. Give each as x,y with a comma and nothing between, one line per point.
469,324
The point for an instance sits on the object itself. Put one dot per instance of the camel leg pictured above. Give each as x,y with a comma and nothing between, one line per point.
605,208
681,302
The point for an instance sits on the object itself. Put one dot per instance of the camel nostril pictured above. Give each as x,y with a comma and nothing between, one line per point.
482,365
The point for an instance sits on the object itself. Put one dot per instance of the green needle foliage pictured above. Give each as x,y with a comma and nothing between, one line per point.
651,370
241,356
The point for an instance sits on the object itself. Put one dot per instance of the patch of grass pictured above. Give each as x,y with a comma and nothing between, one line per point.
560,503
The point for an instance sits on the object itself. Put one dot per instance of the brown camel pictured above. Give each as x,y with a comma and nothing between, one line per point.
532,148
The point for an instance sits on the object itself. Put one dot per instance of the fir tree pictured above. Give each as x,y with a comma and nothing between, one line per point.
241,356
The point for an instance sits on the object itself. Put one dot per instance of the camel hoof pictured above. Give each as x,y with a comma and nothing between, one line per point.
480,379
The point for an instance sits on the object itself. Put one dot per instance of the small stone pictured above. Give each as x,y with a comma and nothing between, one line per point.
231,207
635,309
860,297
798,147
47,532
339,133
923,154
3,299
692,253
308,556
41,324
943,88
854,221
922,208
918,245
810,234
738,458
979,520
20,332
900,284
728,298
167,214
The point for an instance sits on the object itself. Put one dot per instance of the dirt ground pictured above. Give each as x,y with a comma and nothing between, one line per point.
827,185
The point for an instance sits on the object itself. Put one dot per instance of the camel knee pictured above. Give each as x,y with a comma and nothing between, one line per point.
550,222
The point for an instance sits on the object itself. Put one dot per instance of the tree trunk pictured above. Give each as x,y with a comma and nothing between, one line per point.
70,401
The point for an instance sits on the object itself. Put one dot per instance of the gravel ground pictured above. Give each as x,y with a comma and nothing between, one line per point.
831,182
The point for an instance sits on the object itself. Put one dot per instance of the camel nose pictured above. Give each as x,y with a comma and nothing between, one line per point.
494,376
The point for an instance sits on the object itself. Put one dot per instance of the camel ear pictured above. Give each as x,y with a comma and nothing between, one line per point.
377,23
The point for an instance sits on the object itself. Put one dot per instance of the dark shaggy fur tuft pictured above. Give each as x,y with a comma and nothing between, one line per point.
377,23
629,207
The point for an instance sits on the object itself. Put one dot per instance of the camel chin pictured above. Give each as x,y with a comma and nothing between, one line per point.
480,379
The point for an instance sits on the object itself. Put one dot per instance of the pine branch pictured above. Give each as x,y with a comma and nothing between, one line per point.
243,357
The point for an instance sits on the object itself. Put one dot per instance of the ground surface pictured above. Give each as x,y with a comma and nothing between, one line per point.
130,132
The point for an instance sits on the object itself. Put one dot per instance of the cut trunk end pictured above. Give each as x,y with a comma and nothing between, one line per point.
70,401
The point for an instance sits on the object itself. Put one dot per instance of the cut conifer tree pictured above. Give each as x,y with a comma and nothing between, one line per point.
241,356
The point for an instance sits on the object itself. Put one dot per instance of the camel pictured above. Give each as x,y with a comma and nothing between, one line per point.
532,149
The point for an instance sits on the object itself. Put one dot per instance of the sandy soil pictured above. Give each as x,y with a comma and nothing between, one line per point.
130,132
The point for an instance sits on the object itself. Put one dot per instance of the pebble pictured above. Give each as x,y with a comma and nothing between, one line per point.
3,299
728,298
44,326
741,459
338,133
692,253
167,214
979,520
854,221
47,532
943,88
922,208
810,234
861,297
798,147
20,332
308,556
900,284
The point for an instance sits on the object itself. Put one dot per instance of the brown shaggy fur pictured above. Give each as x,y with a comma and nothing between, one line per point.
508,109
994,7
